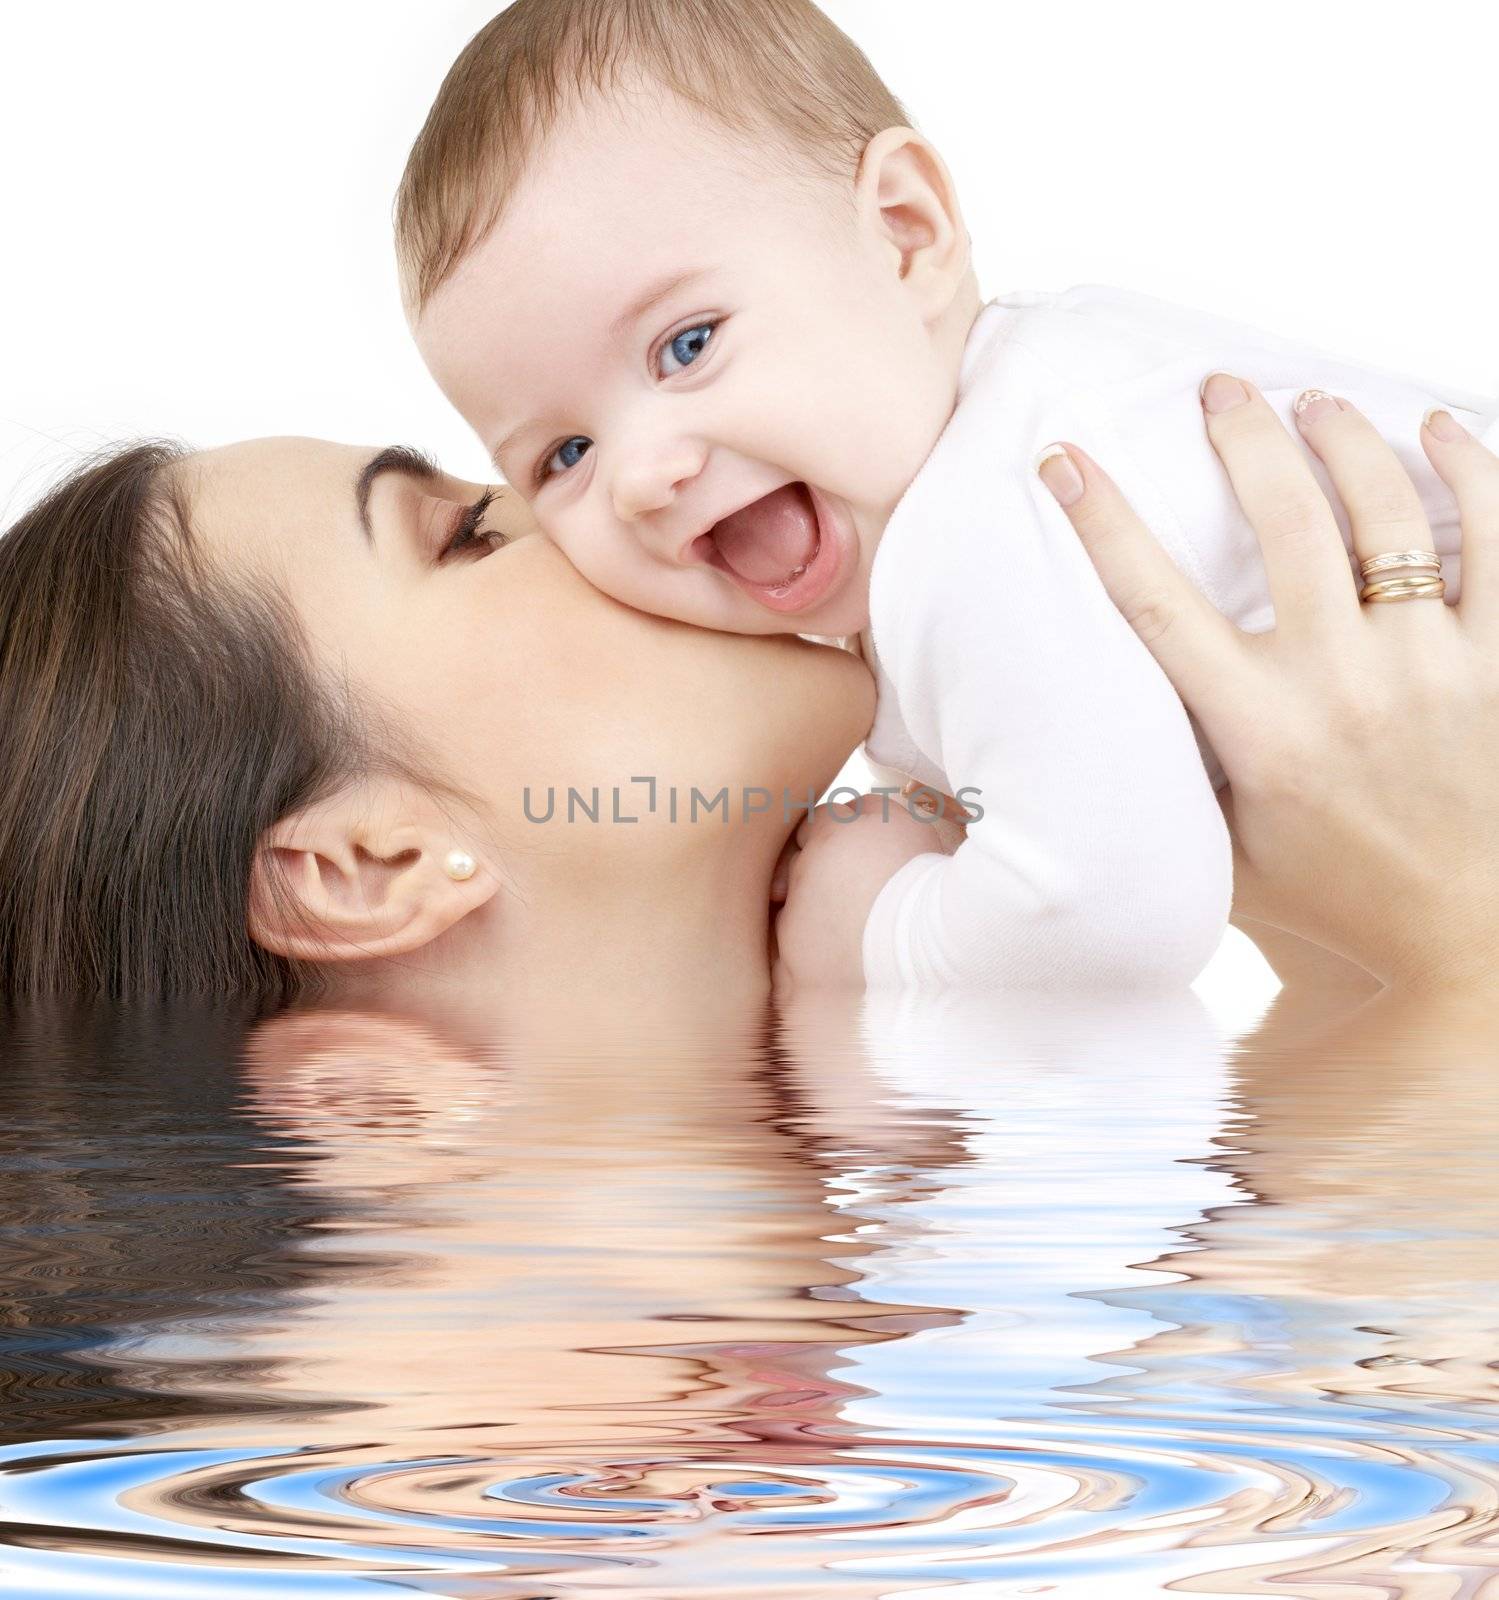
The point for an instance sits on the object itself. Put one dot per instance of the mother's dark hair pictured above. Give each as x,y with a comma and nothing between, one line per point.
154,722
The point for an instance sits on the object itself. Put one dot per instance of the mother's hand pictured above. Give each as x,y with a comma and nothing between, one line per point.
1361,741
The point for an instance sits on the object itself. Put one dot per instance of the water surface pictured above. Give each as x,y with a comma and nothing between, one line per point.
1067,1299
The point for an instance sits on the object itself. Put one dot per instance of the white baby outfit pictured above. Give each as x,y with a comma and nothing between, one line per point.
1101,860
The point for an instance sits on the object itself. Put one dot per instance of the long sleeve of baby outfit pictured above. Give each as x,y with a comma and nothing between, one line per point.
1101,860
1133,366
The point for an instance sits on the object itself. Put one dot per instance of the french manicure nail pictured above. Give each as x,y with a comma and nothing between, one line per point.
1221,391
1314,404
1059,473
1444,426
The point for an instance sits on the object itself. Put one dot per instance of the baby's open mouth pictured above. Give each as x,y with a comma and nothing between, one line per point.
789,551
770,543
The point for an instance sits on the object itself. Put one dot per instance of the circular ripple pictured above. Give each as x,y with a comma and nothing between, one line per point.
110,1520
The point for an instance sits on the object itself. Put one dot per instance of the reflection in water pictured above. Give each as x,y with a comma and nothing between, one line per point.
875,1300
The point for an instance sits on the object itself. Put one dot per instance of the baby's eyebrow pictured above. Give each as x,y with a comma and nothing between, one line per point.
662,289
508,442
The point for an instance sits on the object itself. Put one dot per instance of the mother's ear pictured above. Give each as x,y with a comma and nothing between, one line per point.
363,874
906,196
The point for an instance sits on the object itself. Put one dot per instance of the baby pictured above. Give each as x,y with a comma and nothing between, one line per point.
708,300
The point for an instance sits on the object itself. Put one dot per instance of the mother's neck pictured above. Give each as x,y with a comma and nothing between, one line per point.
673,911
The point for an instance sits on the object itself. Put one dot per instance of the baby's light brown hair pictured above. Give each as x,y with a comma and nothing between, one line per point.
776,68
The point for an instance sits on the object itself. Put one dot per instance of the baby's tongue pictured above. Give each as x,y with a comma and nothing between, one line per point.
771,540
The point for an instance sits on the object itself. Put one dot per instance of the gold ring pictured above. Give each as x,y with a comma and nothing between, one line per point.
1392,589
1400,558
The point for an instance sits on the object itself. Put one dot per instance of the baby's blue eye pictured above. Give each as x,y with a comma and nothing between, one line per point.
567,455
688,345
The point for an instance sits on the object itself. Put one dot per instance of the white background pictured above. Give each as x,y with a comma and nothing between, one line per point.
195,197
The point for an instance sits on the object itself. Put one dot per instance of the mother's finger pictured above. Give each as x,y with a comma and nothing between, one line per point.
1305,562
1196,646
1472,473
1384,510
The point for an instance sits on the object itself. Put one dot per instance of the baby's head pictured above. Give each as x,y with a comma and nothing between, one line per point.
699,290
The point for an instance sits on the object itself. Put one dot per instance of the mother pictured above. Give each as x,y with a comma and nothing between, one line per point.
269,716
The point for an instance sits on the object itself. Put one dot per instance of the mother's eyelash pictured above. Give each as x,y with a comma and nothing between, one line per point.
467,525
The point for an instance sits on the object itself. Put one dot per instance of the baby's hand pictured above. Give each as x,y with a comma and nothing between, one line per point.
842,856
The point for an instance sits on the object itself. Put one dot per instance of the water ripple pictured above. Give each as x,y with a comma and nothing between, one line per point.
389,1316
861,1517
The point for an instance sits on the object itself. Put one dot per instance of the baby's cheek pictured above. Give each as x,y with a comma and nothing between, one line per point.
610,564
585,554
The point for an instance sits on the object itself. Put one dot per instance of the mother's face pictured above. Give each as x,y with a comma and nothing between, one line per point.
506,668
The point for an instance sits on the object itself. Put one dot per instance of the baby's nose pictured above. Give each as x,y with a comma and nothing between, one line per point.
649,480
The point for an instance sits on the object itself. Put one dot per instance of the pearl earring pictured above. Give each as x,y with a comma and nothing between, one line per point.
459,865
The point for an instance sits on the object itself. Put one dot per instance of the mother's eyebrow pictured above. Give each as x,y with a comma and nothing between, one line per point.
402,458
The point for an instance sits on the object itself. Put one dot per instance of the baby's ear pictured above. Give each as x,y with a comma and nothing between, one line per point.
372,871
907,199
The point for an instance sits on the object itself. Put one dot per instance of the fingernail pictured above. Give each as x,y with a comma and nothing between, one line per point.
1314,404
1444,426
1221,391
1059,473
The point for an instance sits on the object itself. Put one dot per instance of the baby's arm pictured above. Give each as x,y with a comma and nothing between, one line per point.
1146,426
